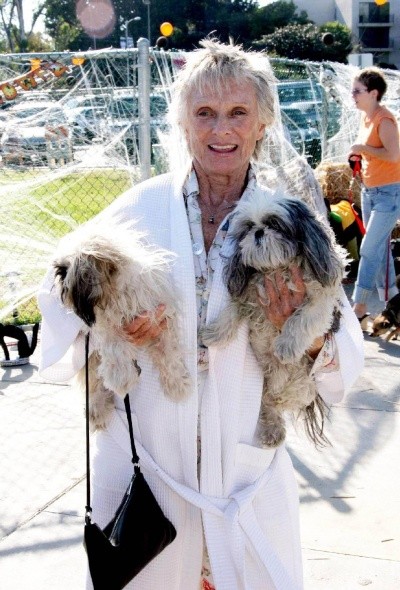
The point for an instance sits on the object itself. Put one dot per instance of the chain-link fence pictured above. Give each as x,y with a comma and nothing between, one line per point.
70,130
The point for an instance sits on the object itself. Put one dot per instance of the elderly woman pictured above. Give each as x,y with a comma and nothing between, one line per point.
233,503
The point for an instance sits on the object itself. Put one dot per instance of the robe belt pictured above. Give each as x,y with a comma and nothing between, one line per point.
237,512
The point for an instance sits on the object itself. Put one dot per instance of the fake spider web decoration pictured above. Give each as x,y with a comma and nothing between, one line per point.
79,149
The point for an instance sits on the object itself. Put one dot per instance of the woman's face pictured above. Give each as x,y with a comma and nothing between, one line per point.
222,131
363,98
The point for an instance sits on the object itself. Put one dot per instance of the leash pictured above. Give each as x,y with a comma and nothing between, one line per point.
355,165
387,273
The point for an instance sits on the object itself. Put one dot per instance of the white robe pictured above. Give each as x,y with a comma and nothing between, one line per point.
247,498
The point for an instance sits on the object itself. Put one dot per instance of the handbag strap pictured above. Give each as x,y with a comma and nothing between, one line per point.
135,456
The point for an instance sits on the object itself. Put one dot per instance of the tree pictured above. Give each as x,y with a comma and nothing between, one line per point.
13,23
38,43
63,26
276,16
306,42
192,20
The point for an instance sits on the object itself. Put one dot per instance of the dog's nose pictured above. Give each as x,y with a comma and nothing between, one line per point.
258,235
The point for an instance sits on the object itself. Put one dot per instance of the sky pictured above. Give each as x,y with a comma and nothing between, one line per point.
29,7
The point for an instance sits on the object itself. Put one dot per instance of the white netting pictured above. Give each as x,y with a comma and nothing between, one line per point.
69,142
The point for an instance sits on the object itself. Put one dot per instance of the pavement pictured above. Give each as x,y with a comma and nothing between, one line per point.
349,491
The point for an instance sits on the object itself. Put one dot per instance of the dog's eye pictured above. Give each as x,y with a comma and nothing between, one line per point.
272,223
250,225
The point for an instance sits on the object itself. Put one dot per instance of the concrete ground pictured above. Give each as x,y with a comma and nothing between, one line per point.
350,491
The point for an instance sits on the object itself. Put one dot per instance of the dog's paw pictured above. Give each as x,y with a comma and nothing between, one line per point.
210,335
272,428
120,377
175,380
287,351
100,409
273,436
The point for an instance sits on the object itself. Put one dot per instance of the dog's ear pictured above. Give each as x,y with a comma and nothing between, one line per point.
316,245
83,299
60,273
237,275
90,285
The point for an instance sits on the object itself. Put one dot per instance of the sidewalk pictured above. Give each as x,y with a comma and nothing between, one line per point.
349,492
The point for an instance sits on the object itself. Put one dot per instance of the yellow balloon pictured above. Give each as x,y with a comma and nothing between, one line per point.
166,29
380,2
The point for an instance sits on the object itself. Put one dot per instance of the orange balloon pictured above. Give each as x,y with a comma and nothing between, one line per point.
35,63
166,29
380,2
78,61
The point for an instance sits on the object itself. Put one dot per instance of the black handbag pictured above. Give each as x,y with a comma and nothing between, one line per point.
137,533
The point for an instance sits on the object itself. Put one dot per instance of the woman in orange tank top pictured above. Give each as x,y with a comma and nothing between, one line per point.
378,146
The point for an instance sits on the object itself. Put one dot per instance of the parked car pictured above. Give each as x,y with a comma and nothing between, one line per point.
86,122
87,100
36,133
122,119
309,108
303,135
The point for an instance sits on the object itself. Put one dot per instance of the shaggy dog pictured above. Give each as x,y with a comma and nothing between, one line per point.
389,319
270,232
108,276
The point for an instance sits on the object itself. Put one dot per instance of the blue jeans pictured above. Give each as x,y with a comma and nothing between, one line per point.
380,210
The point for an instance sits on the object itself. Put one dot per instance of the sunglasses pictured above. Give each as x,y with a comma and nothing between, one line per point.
357,91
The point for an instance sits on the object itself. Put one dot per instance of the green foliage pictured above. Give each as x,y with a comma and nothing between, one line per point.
276,15
67,36
28,313
279,27
304,42
63,26
37,43
192,20
342,44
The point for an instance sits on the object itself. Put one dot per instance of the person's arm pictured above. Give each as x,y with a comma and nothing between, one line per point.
389,136
61,345
341,360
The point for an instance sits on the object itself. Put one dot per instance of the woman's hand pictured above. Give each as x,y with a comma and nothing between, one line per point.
356,151
282,297
147,327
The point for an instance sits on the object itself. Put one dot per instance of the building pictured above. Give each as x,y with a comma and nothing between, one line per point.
375,27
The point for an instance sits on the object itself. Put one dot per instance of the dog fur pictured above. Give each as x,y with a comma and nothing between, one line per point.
388,321
270,232
108,276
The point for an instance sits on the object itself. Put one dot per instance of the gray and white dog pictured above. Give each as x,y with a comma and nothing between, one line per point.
271,232
108,276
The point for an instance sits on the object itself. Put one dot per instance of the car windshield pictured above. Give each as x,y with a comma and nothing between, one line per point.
128,107
124,108
297,92
51,117
26,113
158,105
